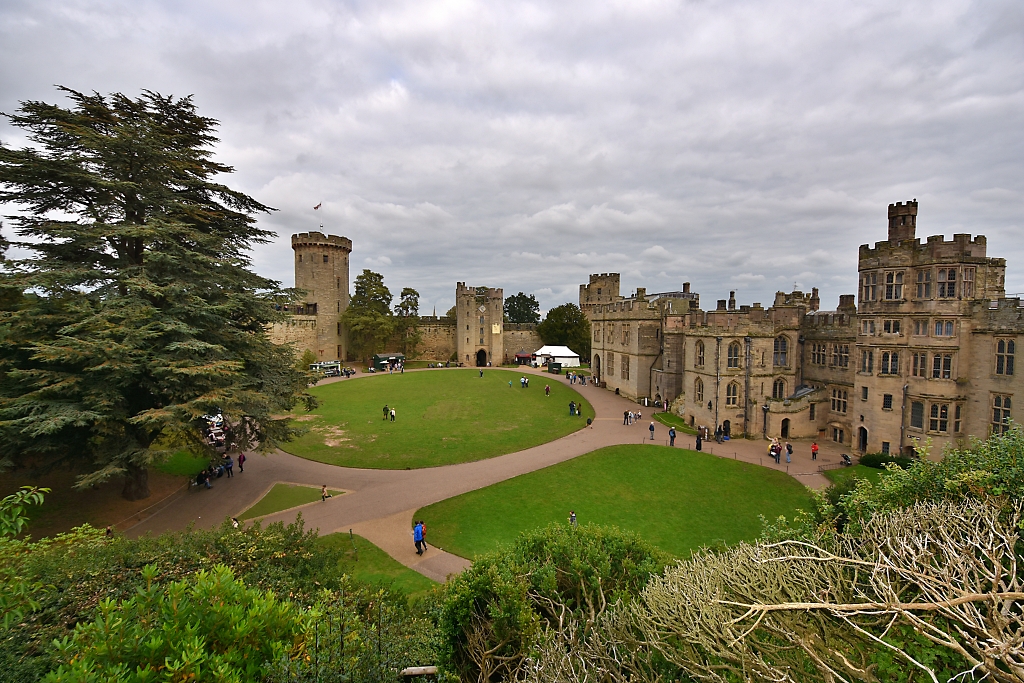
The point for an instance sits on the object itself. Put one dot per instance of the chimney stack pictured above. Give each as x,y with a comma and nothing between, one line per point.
902,221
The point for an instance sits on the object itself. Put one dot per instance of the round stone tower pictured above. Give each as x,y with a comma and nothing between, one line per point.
321,269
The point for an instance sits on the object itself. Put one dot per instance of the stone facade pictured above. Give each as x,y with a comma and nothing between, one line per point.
321,270
479,325
926,350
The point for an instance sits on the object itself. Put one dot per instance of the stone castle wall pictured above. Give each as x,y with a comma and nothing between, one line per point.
520,337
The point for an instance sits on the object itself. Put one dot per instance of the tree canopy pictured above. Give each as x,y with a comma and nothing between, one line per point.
566,325
368,317
407,318
135,311
520,308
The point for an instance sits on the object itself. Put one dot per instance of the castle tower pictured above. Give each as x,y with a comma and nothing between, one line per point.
603,288
902,221
321,269
479,325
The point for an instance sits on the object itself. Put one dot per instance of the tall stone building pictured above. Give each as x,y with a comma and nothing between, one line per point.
479,325
927,351
322,271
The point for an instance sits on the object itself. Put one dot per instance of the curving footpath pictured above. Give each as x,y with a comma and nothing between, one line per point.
379,504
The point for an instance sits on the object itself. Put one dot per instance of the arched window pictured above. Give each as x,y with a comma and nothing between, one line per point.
732,393
698,354
734,355
781,357
698,391
779,389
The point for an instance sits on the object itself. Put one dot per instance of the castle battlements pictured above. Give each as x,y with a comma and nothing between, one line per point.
318,239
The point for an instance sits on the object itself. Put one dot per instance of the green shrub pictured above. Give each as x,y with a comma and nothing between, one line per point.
209,627
493,613
880,460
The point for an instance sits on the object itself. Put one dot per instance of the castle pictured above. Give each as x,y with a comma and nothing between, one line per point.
477,335
927,352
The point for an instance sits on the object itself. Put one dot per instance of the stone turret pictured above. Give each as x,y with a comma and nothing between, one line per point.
321,270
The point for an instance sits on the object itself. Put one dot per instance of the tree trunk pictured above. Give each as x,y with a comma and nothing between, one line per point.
136,483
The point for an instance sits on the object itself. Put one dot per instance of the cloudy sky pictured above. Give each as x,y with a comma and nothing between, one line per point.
744,145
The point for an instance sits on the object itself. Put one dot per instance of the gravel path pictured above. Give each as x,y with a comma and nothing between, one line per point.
379,504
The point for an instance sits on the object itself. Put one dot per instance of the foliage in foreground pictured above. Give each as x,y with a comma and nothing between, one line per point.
495,613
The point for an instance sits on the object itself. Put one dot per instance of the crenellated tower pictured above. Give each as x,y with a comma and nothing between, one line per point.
322,271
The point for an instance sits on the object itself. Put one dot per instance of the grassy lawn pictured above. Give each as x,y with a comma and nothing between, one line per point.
672,420
677,499
184,464
442,417
283,497
372,565
844,474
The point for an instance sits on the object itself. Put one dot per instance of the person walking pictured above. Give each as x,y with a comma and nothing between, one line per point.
572,518
700,442
423,533
392,414
386,411
324,494
572,407
229,465
814,450
671,436
241,461
789,452
625,417
652,430
547,389
481,373
417,537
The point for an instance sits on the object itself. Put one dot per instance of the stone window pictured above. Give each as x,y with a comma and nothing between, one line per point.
625,367
839,398
939,419
919,363
780,359
733,355
779,389
818,354
698,390
732,393
810,411
943,328
942,366
597,333
339,283
840,355
886,401
968,284
326,258
947,283
867,361
837,435
611,364
698,355
1004,356
1000,414
863,393
869,289
300,258
885,447
625,334
481,320
890,363
917,415
867,327
956,418
339,328
924,284
893,285
891,326
921,328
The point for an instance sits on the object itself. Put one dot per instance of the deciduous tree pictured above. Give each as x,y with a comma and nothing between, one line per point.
407,321
141,313
368,318
566,325
520,308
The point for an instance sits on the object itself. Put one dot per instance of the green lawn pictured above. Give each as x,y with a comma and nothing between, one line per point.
372,565
843,474
283,497
673,420
184,464
443,417
677,499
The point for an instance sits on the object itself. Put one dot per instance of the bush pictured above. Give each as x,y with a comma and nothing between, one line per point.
209,627
880,460
494,613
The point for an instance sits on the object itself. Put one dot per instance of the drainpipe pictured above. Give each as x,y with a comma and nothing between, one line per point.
718,377
748,356
903,417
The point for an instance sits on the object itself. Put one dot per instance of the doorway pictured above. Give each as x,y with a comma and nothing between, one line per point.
481,358
726,428
862,439
597,370
785,428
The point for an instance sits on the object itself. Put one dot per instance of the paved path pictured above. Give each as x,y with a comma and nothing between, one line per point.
379,504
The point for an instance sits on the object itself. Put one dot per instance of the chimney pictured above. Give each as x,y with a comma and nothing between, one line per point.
641,292
815,300
902,221
732,300
721,305
847,302
686,288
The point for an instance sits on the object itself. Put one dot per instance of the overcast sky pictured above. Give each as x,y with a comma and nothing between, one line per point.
735,145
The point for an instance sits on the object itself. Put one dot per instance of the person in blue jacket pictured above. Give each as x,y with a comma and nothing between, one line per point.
417,537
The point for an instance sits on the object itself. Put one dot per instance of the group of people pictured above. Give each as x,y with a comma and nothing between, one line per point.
574,408
629,417
226,467
419,536
389,412
574,377
775,450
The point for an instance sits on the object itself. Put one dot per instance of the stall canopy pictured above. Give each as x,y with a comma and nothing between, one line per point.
523,358
557,354
381,361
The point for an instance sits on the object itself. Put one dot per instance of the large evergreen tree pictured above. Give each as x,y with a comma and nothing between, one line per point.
566,325
520,308
137,310
407,321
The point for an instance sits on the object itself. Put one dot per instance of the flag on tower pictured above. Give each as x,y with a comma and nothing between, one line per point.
318,206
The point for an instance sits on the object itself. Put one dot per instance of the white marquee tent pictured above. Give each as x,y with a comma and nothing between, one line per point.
558,354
